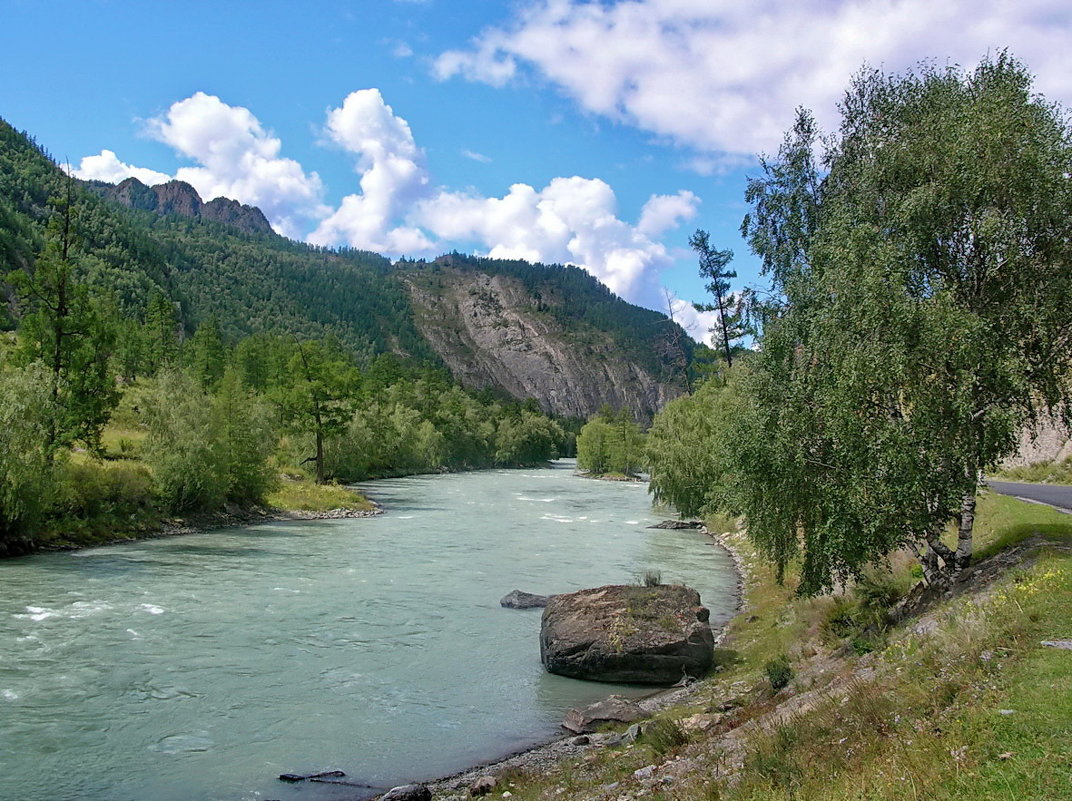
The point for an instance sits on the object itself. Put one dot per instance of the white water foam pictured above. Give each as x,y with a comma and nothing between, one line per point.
9,695
152,609
37,614
75,611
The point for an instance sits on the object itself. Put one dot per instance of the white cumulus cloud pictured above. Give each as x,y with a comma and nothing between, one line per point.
722,76
107,167
393,179
239,159
399,210
700,325
572,220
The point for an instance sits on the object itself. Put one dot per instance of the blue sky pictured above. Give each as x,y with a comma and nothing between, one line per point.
597,133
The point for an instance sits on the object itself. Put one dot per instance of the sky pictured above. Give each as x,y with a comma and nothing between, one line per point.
600,134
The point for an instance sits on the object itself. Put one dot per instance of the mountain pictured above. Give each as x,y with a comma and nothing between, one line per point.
491,329
552,333
178,197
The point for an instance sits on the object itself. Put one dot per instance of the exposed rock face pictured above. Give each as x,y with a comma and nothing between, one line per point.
247,218
178,197
523,600
483,786
487,331
135,194
1050,443
627,634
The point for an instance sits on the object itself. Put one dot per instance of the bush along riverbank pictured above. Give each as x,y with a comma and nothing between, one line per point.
107,520
273,424
878,692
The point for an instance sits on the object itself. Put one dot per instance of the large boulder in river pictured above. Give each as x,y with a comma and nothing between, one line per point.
627,634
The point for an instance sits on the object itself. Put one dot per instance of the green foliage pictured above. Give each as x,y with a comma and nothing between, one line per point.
663,735
424,424
688,449
862,616
779,672
206,449
242,422
593,447
317,396
1040,472
922,314
182,448
26,418
206,354
64,328
529,438
714,267
102,492
611,444
161,332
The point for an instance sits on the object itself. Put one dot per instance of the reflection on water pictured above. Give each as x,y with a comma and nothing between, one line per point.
201,667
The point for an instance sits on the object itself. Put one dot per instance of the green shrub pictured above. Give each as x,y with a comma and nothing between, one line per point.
108,489
779,672
663,735
185,455
26,417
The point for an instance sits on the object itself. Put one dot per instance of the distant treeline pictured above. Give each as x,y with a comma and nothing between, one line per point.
137,424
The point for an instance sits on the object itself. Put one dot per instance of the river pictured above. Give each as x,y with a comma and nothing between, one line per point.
200,667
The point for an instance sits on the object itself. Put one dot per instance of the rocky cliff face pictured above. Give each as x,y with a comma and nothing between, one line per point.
178,197
490,333
1050,443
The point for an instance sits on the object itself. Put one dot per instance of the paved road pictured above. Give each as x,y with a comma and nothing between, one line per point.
1056,495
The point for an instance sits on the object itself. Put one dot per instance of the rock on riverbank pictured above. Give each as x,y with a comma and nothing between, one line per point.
627,634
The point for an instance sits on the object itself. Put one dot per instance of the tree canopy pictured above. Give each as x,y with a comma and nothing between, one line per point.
922,314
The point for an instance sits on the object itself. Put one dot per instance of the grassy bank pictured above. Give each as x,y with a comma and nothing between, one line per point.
297,493
961,700
1040,473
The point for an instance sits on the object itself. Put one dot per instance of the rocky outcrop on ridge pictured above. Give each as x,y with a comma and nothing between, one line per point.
627,634
181,199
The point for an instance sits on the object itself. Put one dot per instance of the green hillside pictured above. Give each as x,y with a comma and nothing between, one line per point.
249,280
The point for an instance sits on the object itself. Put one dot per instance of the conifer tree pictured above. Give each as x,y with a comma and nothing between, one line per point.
66,329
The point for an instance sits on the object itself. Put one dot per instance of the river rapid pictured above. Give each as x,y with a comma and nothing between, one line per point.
200,667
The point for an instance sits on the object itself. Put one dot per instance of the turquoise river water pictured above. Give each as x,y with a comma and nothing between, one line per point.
200,667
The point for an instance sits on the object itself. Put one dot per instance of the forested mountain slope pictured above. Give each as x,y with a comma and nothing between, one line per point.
552,333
